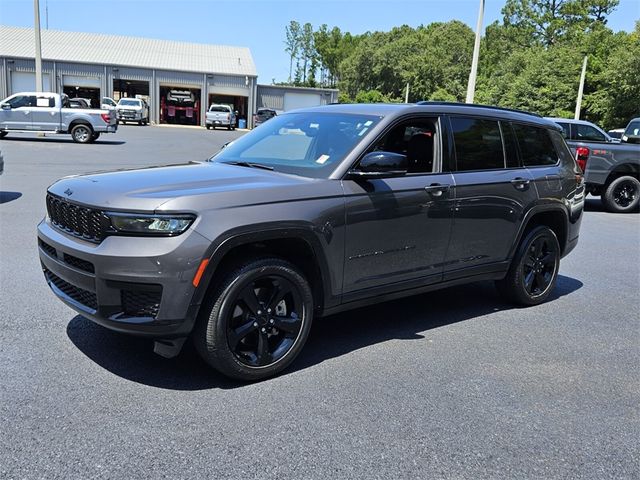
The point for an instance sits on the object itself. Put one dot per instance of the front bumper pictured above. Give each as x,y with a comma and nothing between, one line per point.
136,285
133,116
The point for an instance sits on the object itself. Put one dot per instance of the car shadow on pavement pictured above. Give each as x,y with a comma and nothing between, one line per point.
6,197
58,139
594,204
132,358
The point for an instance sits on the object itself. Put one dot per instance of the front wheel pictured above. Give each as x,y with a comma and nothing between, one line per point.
82,133
3,134
622,195
257,321
534,269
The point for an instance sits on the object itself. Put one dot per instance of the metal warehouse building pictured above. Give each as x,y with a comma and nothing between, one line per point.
93,66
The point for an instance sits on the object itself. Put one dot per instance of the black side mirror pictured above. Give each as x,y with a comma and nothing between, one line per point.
380,165
6,106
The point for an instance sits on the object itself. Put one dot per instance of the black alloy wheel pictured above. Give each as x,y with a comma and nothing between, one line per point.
534,269
265,321
539,266
256,320
622,195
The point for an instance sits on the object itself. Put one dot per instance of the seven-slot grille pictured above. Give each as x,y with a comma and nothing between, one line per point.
82,222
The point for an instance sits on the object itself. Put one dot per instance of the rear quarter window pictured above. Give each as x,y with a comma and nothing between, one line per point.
536,146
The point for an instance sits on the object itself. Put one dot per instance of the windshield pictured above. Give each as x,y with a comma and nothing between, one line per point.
129,103
309,144
633,128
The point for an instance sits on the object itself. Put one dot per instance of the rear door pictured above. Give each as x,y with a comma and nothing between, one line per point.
492,192
45,114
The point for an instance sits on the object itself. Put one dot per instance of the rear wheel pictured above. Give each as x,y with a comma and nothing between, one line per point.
82,133
95,136
257,321
3,134
534,269
208,126
622,195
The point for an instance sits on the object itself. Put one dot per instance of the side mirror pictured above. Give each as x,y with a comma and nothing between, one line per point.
6,106
380,165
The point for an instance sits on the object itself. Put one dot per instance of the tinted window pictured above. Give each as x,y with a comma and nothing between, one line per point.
588,133
478,144
415,140
536,147
23,101
130,103
633,128
561,148
219,109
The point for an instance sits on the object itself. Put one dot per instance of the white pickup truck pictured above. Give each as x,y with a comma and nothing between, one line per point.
220,116
50,112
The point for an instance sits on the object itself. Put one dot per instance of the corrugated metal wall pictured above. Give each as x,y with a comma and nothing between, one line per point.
272,96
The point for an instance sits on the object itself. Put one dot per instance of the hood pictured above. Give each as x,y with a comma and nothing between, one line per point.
128,107
190,186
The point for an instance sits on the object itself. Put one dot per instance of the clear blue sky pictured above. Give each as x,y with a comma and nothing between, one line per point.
259,25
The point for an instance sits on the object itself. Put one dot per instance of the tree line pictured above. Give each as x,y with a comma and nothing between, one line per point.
531,59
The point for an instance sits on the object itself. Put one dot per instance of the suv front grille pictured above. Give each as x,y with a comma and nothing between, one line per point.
80,295
79,221
139,303
47,248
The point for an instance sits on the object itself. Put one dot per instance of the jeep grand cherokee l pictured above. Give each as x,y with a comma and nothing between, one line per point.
315,212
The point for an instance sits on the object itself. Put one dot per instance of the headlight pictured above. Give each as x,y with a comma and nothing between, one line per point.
164,225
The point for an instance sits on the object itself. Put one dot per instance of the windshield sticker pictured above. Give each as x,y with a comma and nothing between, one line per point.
322,159
363,131
368,123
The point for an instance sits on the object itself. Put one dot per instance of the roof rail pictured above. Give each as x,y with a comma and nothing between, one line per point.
477,105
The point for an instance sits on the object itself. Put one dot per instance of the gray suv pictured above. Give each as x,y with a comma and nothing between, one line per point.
317,211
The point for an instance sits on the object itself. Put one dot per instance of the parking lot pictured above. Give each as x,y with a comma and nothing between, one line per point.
450,384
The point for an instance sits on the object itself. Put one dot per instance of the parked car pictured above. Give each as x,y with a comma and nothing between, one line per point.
132,110
317,211
221,116
616,133
611,168
632,132
78,103
51,112
107,103
262,115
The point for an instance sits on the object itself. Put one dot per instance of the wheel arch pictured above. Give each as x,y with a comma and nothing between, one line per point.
554,217
630,169
299,245
80,121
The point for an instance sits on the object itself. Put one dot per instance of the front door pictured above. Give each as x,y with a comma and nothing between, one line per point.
15,113
398,228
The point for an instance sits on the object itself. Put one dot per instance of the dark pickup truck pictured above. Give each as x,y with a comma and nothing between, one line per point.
611,168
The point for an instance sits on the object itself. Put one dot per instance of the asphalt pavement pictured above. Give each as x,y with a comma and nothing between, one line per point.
451,384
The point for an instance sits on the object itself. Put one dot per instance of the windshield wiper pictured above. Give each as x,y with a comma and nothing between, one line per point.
250,164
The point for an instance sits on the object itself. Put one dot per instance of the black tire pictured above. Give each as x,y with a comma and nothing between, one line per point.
229,127
140,123
238,337
208,126
534,269
82,133
622,195
95,136
3,134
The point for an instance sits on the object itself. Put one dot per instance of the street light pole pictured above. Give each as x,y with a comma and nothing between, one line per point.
36,12
581,88
471,86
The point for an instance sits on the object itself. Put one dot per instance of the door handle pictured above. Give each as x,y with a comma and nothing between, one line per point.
27,112
520,183
436,189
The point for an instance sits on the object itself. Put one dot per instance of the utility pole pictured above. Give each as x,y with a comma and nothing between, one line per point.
36,12
406,95
581,88
471,86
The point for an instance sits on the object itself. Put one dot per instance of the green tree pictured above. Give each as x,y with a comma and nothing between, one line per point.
292,42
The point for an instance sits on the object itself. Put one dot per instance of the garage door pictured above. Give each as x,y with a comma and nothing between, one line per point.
26,82
301,100
77,81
